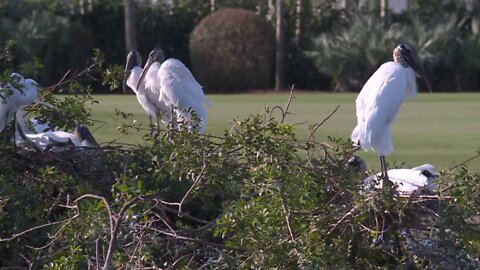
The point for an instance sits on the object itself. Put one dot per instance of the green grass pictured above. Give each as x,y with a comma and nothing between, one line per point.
441,129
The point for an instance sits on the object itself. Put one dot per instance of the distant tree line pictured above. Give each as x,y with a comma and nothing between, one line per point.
326,45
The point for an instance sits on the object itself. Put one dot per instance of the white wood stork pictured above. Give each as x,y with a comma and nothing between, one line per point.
148,99
14,95
407,180
54,141
174,85
380,99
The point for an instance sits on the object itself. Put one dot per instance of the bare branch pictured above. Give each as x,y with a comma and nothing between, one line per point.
194,184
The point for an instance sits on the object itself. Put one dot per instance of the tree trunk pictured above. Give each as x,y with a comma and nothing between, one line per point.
383,8
213,5
279,76
298,23
130,32
473,9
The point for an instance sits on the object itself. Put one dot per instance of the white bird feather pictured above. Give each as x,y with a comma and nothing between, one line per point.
15,98
378,104
175,87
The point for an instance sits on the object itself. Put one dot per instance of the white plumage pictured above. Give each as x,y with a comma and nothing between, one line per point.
16,95
408,180
54,141
378,103
148,99
380,99
177,89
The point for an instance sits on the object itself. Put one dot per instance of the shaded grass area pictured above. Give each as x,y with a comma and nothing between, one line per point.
441,129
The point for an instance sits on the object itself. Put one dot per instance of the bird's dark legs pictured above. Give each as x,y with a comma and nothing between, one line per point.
383,164
158,123
151,125
14,131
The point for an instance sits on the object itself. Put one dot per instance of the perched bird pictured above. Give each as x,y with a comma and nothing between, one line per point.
380,99
176,87
407,180
148,99
55,141
14,95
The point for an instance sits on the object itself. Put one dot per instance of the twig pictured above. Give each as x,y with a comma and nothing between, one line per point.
286,212
349,213
64,79
174,264
191,188
314,129
464,162
284,110
321,123
198,241
287,106
14,236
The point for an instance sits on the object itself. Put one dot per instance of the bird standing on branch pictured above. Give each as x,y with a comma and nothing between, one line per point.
17,93
380,99
176,88
148,99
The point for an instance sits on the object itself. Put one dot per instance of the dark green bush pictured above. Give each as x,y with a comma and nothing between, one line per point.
231,50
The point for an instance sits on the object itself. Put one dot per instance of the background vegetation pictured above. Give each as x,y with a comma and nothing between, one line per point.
330,49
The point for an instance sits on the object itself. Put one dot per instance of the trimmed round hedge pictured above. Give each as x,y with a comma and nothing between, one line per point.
232,50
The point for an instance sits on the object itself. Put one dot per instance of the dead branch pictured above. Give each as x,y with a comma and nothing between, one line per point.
63,81
198,241
334,226
194,184
286,212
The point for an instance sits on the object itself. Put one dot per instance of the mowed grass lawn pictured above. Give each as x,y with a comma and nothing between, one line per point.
441,129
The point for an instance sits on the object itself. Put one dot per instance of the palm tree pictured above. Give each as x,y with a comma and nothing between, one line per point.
130,31
279,66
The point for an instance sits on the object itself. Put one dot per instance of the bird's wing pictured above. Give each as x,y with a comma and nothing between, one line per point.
153,87
179,84
180,88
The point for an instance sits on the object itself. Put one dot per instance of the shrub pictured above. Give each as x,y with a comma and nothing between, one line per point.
232,49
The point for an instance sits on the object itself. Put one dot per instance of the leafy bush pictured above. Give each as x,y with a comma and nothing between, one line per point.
227,46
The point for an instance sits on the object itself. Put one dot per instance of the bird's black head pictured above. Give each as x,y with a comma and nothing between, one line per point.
406,56
133,59
84,134
357,163
156,55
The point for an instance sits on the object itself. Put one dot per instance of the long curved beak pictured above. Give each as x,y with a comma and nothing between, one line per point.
427,82
126,74
422,74
85,134
156,55
144,72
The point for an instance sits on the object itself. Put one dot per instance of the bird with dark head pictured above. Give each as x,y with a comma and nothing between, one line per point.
406,56
156,55
380,99
134,59
18,93
179,93
147,98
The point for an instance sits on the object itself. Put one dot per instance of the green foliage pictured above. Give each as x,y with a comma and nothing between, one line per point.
247,199
227,45
351,54
353,50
